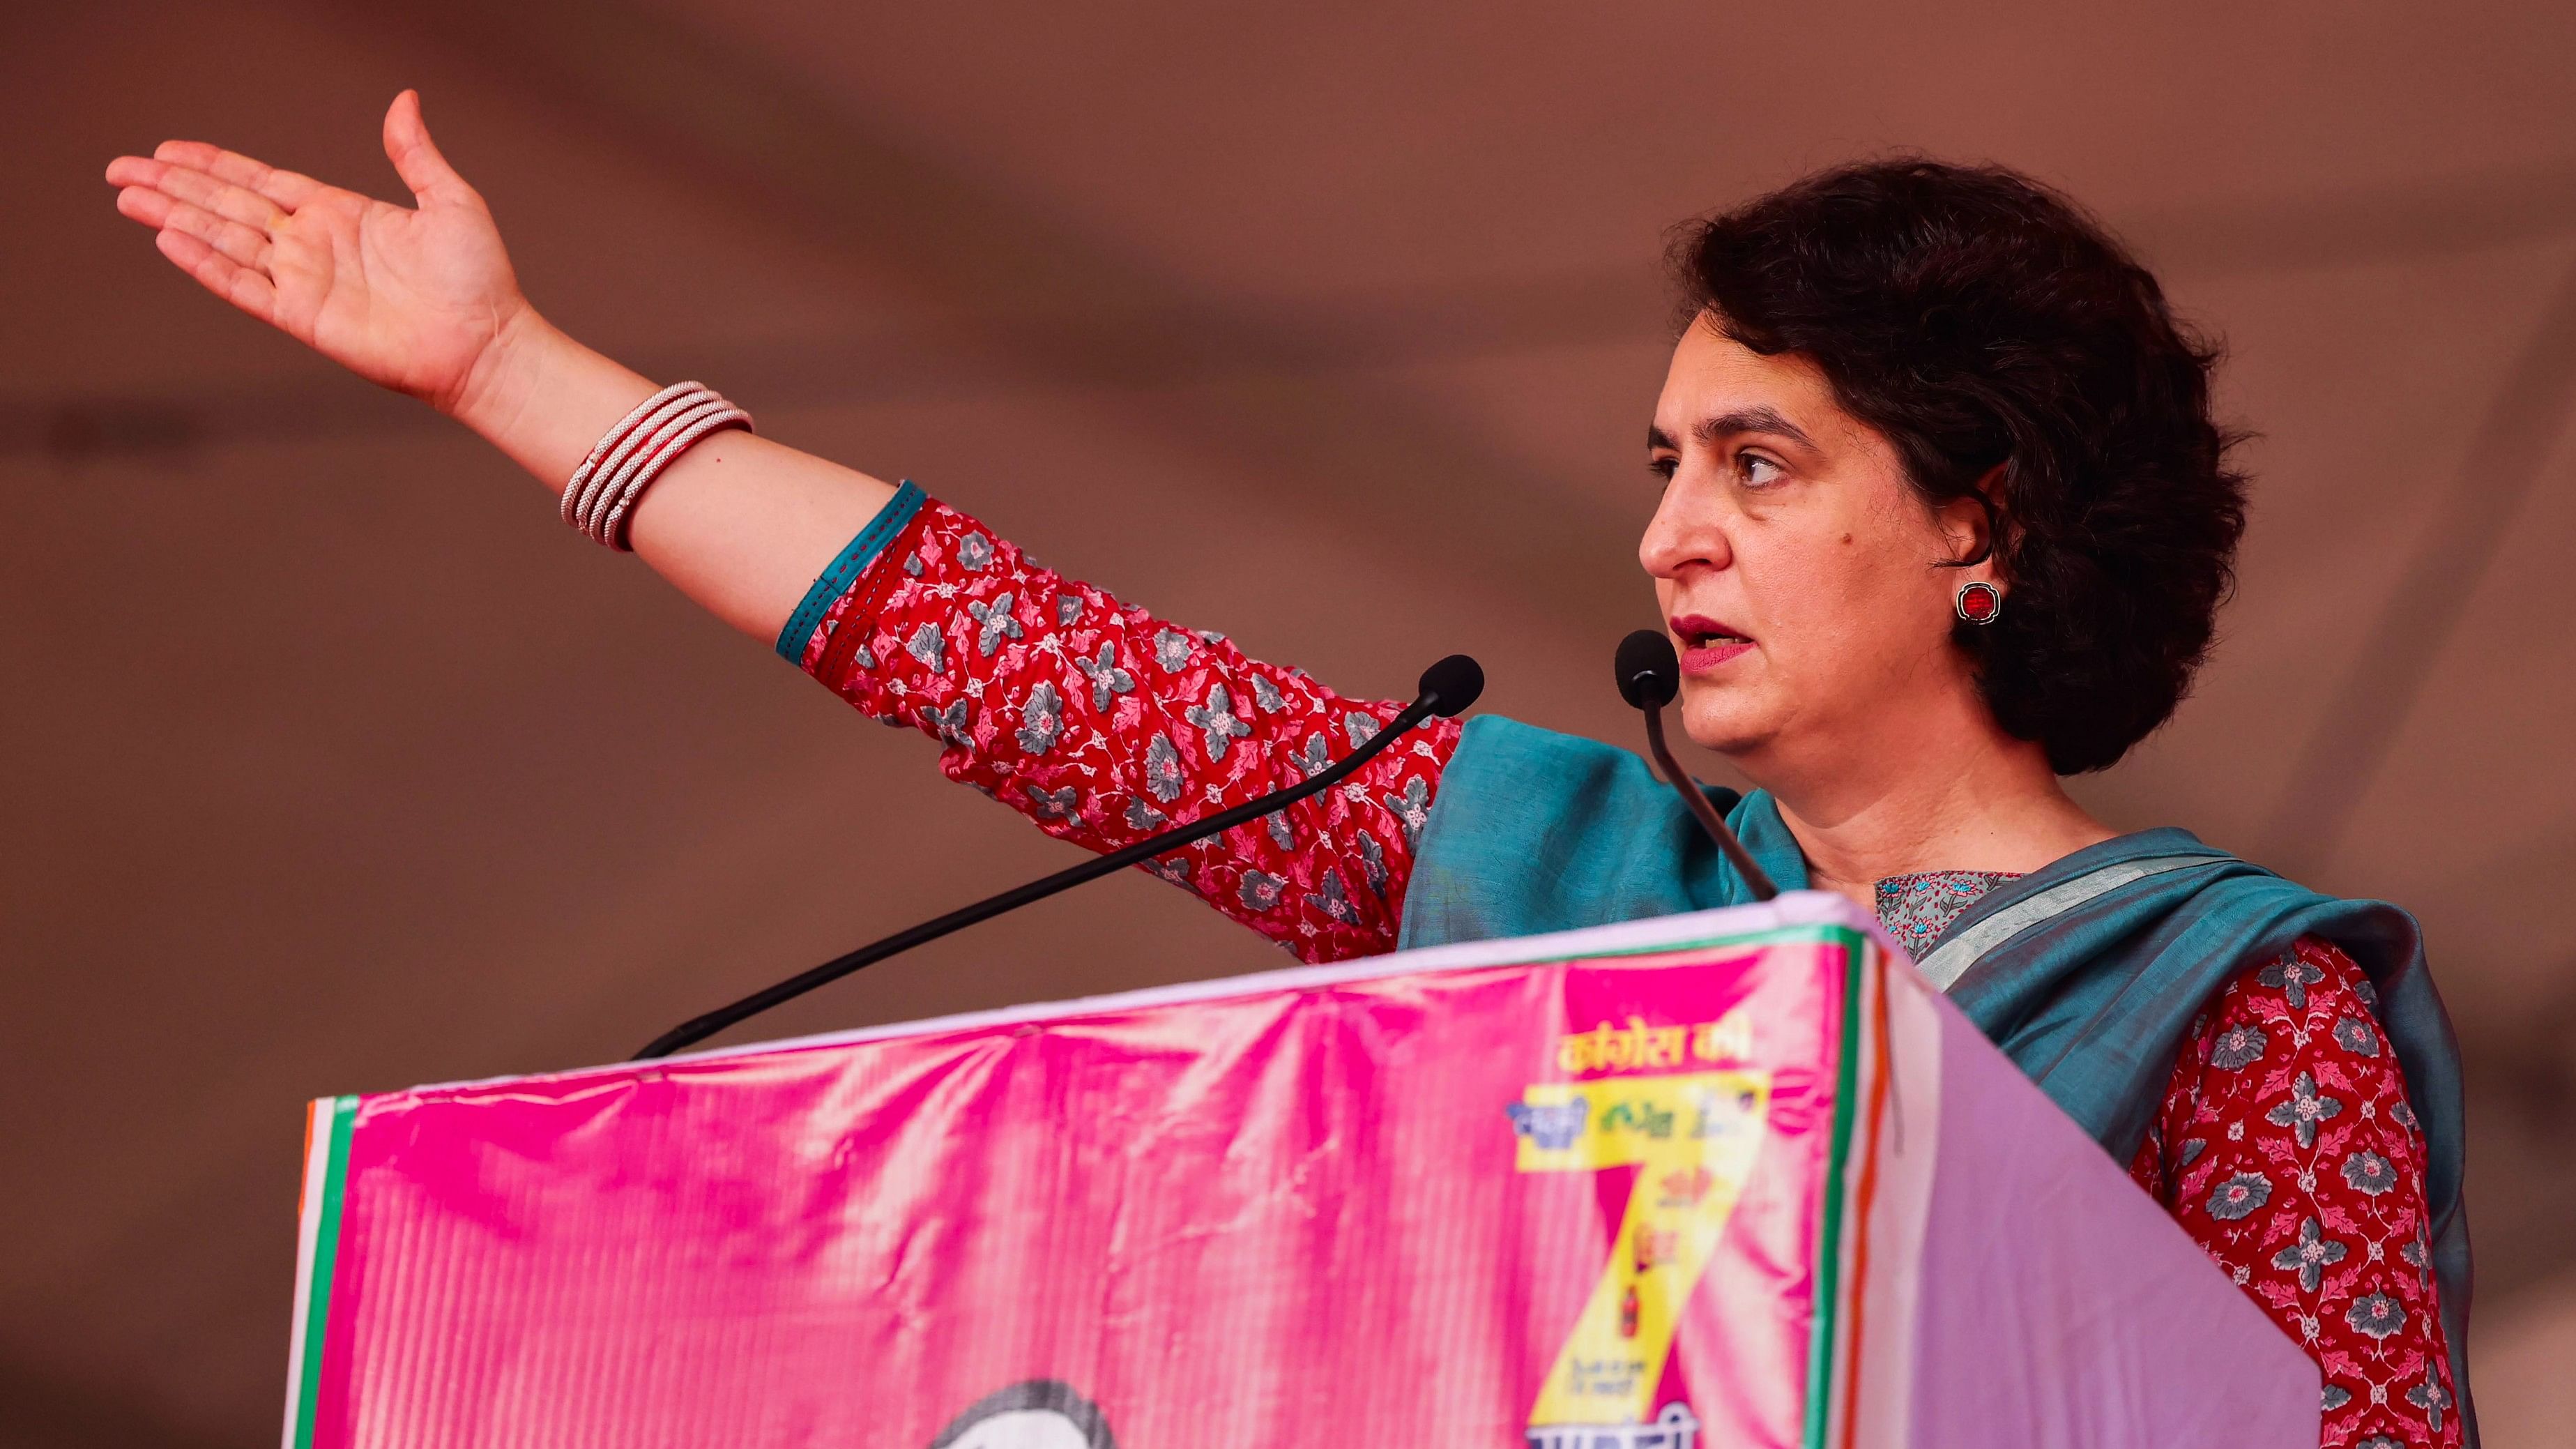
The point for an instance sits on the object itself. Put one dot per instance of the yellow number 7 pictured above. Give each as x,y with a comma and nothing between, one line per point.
1692,1139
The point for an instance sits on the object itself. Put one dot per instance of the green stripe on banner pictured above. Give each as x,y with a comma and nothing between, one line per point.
1829,1237
326,1256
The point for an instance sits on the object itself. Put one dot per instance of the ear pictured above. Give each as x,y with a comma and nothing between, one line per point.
1968,525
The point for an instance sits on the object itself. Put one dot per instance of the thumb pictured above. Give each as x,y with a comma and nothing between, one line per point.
415,156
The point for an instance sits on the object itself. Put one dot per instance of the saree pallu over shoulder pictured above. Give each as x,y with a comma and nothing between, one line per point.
2087,973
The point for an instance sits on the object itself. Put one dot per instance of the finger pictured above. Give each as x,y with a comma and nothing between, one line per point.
239,203
133,171
145,205
416,158
220,275
287,188
247,246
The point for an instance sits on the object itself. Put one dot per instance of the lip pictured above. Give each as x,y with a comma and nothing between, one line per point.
1700,658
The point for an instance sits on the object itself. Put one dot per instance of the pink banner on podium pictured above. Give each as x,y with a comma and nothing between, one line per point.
1738,1178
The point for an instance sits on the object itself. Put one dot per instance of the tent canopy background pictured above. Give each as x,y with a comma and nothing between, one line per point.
333,764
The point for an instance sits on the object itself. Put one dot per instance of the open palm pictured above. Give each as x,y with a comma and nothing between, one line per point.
408,298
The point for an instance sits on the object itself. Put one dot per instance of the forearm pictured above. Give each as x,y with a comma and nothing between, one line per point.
740,524
1105,724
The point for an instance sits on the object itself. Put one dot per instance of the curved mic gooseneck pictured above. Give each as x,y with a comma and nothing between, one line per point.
1447,688
1650,674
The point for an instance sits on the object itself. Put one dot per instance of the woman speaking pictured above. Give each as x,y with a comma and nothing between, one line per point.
1944,517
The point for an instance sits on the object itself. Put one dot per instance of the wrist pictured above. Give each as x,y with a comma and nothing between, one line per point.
543,398
505,374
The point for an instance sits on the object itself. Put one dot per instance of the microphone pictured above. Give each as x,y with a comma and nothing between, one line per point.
1649,676
1447,689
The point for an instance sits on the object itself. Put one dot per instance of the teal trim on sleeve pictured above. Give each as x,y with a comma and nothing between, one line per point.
835,581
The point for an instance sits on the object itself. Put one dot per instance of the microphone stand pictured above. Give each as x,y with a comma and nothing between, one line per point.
1447,688
1706,813
1649,676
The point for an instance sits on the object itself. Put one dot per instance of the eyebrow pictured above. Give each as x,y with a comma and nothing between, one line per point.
1731,424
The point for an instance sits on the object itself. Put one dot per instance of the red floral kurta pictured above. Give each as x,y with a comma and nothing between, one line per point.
2285,1145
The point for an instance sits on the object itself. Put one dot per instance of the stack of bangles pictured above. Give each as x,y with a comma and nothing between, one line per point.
603,491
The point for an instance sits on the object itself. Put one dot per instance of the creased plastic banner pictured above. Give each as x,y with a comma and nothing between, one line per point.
1654,1186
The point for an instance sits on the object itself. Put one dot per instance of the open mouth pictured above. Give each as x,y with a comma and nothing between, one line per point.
1699,634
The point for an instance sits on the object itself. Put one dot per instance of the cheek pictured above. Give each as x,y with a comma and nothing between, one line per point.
1846,604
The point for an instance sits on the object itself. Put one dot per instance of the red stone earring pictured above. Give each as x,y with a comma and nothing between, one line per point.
1980,602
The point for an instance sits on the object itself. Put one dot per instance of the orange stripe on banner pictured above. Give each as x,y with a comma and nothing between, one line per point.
307,1160
1860,1212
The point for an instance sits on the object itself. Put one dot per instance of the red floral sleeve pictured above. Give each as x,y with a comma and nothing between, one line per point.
1105,724
2286,1147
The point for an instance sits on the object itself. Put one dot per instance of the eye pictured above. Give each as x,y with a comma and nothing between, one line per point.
1663,465
1758,471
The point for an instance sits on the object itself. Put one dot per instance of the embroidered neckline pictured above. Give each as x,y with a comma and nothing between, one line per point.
1918,906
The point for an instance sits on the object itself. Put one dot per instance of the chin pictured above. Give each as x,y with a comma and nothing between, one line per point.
1725,721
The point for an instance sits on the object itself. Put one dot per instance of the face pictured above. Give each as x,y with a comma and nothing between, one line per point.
1799,574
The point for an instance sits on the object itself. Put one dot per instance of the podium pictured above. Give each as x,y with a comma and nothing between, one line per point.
1733,1178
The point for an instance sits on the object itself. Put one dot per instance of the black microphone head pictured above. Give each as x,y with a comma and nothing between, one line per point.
1453,684
1650,674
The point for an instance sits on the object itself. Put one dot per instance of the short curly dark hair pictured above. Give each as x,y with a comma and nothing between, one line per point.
1980,320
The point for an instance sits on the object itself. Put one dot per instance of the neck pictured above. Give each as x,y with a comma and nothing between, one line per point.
1972,798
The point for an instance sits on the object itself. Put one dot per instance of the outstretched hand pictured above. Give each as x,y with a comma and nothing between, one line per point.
414,298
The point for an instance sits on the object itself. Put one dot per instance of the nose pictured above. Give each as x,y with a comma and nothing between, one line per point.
1681,538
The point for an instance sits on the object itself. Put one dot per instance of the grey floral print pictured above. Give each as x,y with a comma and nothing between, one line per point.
1172,650
1260,891
1282,834
995,623
2294,974
2311,1255
1412,809
954,725
2369,1172
2356,1036
1373,864
2417,1253
1042,720
2305,1109
1068,610
2376,1314
1141,816
2431,1397
1064,804
1216,721
929,647
1266,696
975,553
1360,727
1107,679
1314,759
2238,1047
1333,898
1162,769
2239,1196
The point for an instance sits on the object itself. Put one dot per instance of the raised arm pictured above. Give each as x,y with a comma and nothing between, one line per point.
1099,721
422,299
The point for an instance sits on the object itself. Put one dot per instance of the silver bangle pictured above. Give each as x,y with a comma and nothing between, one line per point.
618,467
603,492
610,439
